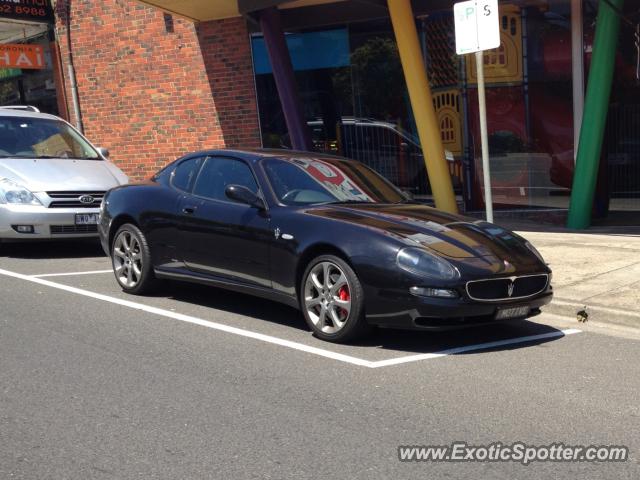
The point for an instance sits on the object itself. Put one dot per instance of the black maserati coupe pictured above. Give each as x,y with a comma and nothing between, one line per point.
323,234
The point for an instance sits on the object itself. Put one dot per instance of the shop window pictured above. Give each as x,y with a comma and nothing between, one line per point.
28,83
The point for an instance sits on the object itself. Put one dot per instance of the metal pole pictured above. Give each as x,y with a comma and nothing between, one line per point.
74,97
594,120
72,72
469,168
484,137
577,67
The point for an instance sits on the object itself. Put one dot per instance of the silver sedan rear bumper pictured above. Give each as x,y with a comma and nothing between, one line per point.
48,223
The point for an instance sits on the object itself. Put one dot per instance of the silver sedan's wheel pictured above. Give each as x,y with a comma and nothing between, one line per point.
127,259
327,297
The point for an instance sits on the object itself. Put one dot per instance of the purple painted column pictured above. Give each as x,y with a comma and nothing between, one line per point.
285,79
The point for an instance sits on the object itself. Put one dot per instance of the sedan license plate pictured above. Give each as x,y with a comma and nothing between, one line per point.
86,219
512,312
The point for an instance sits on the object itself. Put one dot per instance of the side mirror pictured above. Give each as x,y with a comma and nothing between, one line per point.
103,151
408,194
244,195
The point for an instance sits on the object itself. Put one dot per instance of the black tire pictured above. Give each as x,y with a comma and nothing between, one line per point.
138,256
355,324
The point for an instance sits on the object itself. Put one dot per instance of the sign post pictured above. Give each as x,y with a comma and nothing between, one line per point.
478,29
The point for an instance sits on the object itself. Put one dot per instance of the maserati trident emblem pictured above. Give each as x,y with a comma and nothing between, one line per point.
510,289
276,232
86,199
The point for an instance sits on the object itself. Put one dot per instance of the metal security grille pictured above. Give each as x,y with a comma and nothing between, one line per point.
387,150
622,150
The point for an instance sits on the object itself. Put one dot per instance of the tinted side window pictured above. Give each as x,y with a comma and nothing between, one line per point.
185,173
164,175
219,172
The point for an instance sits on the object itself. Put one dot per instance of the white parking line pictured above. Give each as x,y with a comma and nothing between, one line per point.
471,348
280,341
71,274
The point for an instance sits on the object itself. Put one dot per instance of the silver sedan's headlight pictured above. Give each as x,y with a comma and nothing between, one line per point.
14,193
421,262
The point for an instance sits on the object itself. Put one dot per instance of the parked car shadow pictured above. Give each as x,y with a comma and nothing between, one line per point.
407,341
52,249
438,341
232,302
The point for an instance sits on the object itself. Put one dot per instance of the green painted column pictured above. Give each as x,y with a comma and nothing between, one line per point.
596,106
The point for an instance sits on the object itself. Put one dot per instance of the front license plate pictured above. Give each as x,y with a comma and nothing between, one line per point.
512,312
86,218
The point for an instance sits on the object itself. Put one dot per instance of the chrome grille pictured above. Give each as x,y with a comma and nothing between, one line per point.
507,288
71,229
72,199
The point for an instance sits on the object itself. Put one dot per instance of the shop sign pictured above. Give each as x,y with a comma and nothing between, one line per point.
9,73
23,56
32,10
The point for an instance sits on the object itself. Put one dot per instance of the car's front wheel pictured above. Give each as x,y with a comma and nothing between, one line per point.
332,300
131,260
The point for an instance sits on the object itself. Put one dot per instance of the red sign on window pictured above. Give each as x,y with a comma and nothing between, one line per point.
22,56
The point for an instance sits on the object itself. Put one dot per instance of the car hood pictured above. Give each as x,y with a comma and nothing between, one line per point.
453,236
41,175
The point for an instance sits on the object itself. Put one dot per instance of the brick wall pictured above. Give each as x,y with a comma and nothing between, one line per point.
149,95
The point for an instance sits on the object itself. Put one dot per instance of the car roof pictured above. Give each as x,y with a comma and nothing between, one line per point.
12,112
257,154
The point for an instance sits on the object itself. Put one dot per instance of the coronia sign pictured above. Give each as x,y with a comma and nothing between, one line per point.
22,56
32,10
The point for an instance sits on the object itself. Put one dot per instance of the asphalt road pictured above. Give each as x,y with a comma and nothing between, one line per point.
196,382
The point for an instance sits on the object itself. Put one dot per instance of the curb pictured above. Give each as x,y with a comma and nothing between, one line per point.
597,313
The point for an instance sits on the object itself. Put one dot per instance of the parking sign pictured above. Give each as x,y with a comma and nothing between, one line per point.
477,26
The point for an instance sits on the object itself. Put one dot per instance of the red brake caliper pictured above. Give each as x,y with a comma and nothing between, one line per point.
343,293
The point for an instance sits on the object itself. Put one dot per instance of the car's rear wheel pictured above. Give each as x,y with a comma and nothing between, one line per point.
332,300
131,260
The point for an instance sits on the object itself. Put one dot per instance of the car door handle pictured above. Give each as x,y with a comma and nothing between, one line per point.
189,210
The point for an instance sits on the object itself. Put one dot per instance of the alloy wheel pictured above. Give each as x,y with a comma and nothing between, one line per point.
327,297
127,259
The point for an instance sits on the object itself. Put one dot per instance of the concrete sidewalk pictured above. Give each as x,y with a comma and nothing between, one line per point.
599,269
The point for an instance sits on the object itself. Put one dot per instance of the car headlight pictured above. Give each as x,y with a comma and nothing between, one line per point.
535,251
12,192
421,262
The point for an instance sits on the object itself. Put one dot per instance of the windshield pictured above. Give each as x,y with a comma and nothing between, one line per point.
42,138
310,181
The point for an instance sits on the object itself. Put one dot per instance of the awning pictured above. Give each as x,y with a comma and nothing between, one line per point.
202,10
16,31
